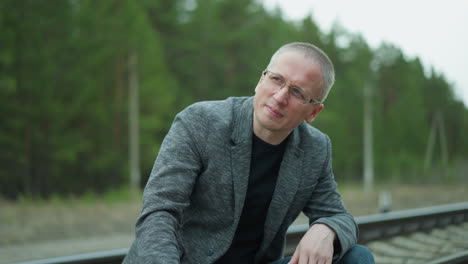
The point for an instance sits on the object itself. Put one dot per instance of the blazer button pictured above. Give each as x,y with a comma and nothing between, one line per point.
210,252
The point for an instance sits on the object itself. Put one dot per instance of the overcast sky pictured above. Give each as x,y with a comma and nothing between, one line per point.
435,31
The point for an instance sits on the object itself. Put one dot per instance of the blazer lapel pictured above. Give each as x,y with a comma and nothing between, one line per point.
289,175
286,187
241,151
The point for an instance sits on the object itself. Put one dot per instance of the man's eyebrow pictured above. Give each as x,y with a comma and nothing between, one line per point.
279,75
296,86
292,85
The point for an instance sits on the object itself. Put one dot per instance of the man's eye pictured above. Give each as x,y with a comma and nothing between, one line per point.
276,79
296,91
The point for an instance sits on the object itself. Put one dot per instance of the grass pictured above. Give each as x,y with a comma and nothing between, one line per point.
31,220
403,196
92,215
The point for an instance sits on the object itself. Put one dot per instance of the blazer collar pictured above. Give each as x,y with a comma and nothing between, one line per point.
243,122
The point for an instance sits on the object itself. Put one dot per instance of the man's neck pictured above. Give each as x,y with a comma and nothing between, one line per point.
271,137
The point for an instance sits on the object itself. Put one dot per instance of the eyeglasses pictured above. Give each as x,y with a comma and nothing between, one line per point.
297,93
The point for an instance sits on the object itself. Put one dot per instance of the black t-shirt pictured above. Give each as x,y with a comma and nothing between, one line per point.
264,168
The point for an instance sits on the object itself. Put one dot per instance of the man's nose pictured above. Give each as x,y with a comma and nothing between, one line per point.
282,95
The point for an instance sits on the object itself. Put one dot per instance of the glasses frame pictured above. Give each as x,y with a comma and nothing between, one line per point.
309,98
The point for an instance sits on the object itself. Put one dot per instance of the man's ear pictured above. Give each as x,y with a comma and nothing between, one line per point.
311,117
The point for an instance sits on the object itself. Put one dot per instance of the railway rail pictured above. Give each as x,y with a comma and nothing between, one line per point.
432,235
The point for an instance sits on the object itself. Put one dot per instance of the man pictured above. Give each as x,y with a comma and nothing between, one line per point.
231,176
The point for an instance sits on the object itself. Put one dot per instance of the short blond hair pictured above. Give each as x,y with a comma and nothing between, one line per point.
318,56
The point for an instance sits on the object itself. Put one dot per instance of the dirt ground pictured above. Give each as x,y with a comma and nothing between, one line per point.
50,229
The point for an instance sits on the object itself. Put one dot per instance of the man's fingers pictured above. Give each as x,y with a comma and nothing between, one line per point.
295,257
303,256
303,259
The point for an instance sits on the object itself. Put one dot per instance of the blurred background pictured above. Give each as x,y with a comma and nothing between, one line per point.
88,90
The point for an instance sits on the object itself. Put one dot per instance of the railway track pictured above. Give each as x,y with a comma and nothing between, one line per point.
432,235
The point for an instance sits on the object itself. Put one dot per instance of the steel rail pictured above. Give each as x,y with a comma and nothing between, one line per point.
101,257
458,258
371,227
386,225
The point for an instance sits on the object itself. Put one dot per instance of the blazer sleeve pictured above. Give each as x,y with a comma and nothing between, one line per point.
166,196
326,206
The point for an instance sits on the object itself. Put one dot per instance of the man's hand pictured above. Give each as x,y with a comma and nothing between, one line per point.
315,247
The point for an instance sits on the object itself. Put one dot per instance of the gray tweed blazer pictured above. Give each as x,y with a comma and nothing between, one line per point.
194,196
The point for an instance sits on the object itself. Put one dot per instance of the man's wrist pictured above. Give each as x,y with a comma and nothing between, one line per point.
331,234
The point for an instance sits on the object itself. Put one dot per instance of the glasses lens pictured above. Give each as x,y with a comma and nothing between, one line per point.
298,94
295,92
276,79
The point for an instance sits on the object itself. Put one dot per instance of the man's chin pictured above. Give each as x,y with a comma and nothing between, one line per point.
272,126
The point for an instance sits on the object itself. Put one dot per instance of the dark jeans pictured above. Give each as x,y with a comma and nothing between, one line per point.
356,255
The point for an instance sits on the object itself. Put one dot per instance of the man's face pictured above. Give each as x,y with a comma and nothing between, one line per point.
276,113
